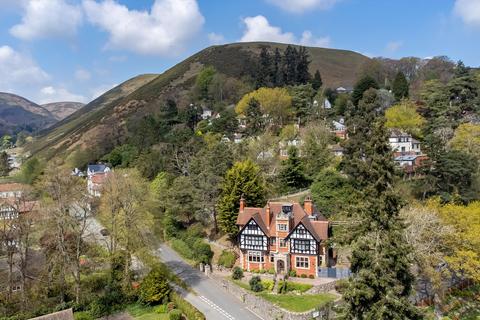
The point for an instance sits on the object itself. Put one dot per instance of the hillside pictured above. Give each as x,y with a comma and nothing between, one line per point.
17,113
61,110
102,121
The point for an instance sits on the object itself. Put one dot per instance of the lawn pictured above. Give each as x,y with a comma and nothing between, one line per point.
298,303
139,312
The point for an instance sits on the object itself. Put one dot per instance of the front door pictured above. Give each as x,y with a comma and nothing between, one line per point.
280,266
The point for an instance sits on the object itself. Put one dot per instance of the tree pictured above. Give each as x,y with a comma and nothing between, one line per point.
154,288
404,116
31,170
253,117
303,62
277,73
317,81
182,200
316,154
265,70
331,191
66,207
382,281
290,60
292,175
203,81
125,205
4,165
361,86
461,70
467,139
302,101
400,86
243,179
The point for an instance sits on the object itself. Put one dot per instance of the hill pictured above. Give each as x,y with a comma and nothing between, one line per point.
102,122
17,114
61,110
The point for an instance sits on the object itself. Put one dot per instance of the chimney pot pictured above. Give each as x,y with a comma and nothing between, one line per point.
308,205
242,203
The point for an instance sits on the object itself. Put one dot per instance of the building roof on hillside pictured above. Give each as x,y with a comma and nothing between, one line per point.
6,187
60,315
22,206
318,228
99,178
99,167
406,158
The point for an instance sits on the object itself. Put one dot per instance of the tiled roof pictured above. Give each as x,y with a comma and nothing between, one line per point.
6,187
318,228
98,178
22,206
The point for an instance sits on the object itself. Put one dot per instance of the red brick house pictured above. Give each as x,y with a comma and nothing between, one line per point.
283,237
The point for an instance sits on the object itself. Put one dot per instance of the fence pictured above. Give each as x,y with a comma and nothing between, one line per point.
336,273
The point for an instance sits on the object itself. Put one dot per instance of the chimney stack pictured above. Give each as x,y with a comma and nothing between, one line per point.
267,213
242,203
308,205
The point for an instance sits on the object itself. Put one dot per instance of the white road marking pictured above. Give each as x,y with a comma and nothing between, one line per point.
215,307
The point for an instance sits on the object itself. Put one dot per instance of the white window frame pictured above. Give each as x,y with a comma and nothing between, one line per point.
284,243
302,262
256,257
283,225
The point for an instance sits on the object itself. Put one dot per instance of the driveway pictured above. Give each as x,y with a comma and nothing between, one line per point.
212,300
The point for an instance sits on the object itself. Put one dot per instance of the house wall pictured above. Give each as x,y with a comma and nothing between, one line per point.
312,265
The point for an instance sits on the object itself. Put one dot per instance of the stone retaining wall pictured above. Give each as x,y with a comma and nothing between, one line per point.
322,288
266,309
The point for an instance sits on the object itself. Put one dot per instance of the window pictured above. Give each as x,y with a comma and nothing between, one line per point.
301,246
281,227
254,242
283,243
273,241
302,262
272,258
255,256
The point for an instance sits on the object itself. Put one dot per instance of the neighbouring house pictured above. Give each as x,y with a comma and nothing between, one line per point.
410,163
12,208
403,143
77,172
11,190
284,145
339,129
337,150
96,176
283,237
327,104
344,89
237,137
206,113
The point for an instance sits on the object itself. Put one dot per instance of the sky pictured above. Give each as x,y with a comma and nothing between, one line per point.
75,50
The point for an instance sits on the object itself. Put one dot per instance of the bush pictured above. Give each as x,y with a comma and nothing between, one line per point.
311,276
82,316
341,285
175,315
263,271
163,308
202,252
154,288
256,284
237,273
292,273
267,285
227,259
182,248
187,309
271,271
287,286
304,276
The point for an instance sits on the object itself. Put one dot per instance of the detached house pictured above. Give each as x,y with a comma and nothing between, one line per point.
96,176
283,237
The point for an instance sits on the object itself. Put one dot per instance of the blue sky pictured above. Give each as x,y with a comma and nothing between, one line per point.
54,50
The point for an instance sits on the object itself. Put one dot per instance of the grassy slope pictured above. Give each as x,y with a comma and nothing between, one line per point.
338,67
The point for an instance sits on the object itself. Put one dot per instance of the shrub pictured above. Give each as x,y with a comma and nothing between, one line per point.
256,284
311,276
271,271
287,286
175,315
292,273
187,309
163,308
304,276
227,259
267,285
341,285
182,248
202,252
154,288
237,273
263,271
82,316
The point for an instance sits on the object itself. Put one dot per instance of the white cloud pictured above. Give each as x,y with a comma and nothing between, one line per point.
164,30
48,18
53,94
216,38
300,6
468,10
393,46
82,75
259,29
18,71
309,40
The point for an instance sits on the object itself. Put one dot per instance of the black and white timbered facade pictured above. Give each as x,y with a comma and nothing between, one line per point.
302,241
253,238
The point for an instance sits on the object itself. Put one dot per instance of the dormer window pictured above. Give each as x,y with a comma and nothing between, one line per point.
287,208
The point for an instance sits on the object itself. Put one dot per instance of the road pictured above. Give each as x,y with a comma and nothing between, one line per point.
212,300
208,297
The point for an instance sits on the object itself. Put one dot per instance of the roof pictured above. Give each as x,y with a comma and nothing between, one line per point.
22,206
318,229
6,187
60,315
95,168
406,158
398,133
98,178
